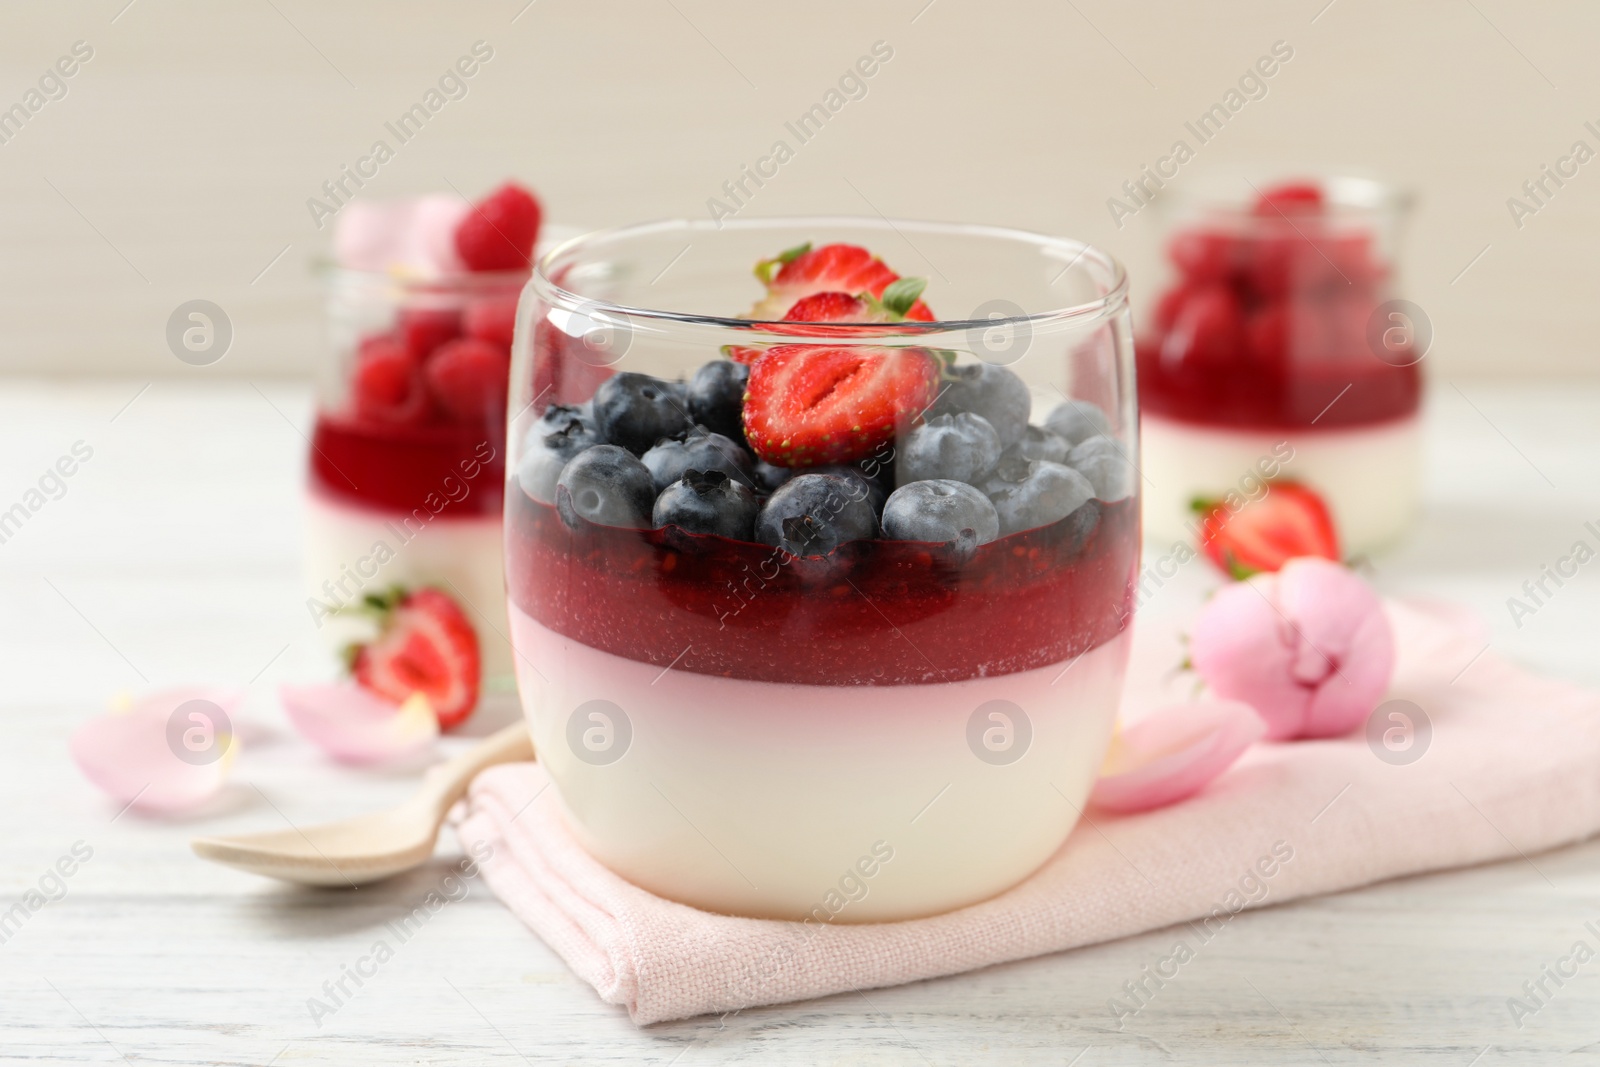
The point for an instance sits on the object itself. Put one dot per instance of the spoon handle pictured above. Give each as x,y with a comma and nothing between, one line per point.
449,780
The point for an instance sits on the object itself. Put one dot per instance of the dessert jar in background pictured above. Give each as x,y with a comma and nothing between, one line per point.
407,466
407,460
1277,349
821,580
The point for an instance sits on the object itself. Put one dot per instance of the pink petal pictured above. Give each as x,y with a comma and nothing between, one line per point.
1238,647
357,726
430,243
371,235
1172,753
134,756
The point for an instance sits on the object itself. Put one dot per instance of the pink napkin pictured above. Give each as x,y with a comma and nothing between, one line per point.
1512,767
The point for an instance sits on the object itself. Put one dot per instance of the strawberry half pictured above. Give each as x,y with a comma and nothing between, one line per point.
1263,535
798,272
807,405
424,645
894,304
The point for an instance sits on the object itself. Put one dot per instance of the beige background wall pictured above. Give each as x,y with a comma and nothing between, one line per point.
179,162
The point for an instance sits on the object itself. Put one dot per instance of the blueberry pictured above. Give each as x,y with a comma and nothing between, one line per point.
1044,493
1106,465
993,392
1076,420
769,477
557,416
561,433
1039,443
636,410
708,502
938,510
812,514
963,447
873,488
608,485
716,397
700,449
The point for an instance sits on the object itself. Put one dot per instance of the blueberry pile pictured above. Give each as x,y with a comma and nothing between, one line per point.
647,453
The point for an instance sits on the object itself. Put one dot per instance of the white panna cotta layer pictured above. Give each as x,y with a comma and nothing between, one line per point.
352,550
834,803
1369,476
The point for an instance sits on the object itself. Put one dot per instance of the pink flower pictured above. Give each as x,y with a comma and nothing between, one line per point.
1308,647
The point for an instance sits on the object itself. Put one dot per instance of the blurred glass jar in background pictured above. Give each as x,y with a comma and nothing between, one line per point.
1277,351
407,458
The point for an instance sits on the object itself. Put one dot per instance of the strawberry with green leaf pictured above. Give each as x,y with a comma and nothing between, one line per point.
1291,520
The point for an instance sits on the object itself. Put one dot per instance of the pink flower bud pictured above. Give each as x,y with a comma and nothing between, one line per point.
1309,648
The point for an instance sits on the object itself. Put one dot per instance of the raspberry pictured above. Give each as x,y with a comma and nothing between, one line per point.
491,319
469,378
500,230
386,385
425,329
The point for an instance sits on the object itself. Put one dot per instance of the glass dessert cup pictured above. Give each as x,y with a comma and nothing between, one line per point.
1277,351
404,489
888,729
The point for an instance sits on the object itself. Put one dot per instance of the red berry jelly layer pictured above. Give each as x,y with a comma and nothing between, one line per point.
873,613
1355,392
446,469
1269,324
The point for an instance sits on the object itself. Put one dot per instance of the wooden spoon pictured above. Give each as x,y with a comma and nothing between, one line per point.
353,852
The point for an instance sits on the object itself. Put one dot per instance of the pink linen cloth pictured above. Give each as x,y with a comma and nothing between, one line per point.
1512,767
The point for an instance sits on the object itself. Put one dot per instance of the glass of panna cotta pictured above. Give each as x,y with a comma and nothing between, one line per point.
407,458
1278,351
821,537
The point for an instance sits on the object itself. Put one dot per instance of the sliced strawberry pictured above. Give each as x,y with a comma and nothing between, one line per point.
1263,535
801,271
469,379
807,405
424,645
500,231
386,385
898,299
828,307
493,318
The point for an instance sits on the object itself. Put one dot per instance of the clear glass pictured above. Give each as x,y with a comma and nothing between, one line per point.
409,493
893,728
1279,348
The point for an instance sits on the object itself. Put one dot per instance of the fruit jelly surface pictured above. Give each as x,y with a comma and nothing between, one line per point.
874,613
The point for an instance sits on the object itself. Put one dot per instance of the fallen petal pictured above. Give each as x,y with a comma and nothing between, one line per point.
357,726
171,751
1172,753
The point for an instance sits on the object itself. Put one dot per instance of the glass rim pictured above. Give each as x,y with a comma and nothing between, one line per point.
332,271
1112,302
1349,195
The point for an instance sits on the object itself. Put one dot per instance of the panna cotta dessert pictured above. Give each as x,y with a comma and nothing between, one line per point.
1276,355
822,612
408,454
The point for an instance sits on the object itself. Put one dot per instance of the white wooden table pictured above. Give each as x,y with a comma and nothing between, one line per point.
173,557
